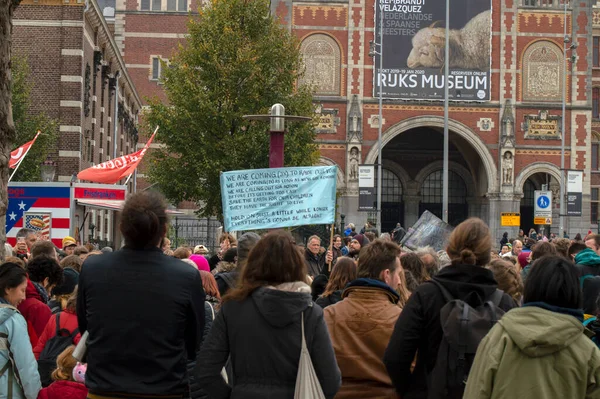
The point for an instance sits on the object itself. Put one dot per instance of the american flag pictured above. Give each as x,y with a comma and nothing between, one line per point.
44,209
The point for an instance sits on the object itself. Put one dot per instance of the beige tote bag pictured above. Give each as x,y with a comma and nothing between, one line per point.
307,382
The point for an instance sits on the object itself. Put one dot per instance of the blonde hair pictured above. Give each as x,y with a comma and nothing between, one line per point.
65,363
508,278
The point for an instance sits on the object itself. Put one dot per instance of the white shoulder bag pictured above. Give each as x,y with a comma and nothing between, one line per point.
307,382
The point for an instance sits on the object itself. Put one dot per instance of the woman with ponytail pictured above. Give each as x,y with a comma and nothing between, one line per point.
419,330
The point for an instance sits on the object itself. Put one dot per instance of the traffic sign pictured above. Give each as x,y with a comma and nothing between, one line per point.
542,208
542,220
510,219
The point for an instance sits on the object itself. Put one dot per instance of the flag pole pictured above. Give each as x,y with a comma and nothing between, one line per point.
24,155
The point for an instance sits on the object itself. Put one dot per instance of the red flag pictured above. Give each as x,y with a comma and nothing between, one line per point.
17,155
112,171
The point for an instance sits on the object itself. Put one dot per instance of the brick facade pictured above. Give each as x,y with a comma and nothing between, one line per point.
73,60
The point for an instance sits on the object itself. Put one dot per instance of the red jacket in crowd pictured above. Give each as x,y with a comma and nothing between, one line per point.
35,312
68,321
64,390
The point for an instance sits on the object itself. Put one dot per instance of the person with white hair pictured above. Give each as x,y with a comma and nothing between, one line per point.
431,259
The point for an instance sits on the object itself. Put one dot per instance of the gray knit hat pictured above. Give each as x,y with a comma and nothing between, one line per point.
245,243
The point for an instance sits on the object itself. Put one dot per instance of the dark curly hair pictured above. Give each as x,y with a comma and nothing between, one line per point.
43,267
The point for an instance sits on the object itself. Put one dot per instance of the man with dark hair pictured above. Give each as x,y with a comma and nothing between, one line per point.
362,323
30,237
44,274
43,248
143,310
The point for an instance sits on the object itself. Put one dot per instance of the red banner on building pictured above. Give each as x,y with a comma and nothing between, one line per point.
112,171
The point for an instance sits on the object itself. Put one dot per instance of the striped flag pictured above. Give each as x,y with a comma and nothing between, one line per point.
43,209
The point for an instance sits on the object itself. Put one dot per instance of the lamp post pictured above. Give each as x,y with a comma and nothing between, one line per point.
372,52
48,170
566,47
277,119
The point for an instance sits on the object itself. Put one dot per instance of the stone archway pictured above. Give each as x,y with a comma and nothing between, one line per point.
454,126
324,161
536,167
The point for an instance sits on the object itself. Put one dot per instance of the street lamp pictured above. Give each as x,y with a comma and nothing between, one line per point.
48,170
573,58
277,119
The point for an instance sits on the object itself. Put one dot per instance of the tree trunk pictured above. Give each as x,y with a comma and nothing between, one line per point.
7,127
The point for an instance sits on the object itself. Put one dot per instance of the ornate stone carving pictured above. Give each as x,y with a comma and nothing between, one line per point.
327,120
353,161
542,72
542,126
321,56
374,121
485,124
354,126
507,168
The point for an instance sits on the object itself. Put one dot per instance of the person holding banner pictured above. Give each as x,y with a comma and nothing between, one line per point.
315,262
259,327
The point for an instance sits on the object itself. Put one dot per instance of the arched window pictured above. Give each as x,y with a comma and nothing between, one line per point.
322,64
542,72
528,193
391,187
431,190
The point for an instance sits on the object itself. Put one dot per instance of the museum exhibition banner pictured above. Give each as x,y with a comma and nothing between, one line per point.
278,197
367,192
574,192
414,49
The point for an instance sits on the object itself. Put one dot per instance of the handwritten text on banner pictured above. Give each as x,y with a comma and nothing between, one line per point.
278,197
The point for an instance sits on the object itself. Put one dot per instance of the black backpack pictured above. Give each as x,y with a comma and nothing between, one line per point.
54,347
463,328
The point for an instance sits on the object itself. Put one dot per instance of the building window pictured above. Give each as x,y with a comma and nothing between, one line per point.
595,147
322,64
431,190
391,187
596,102
596,54
594,205
164,5
542,72
155,68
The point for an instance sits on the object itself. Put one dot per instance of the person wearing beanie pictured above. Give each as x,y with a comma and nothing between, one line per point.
200,262
61,293
358,241
68,245
228,279
106,250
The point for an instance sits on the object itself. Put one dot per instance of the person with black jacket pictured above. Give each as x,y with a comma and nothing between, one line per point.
228,279
143,310
259,326
418,329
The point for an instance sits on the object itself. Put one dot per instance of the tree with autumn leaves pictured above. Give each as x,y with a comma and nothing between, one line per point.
237,60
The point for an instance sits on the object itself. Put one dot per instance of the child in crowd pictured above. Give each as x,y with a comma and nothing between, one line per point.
69,379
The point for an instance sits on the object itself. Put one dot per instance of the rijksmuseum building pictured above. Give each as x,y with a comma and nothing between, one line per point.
505,117
502,149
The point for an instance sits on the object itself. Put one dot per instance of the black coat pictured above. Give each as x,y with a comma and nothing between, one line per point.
195,391
263,336
324,301
314,263
419,329
144,312
226,281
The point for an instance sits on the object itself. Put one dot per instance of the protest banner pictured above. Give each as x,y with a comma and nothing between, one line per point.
414,46
428,231
278,197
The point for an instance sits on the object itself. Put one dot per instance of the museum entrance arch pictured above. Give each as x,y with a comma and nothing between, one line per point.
545,180
416,147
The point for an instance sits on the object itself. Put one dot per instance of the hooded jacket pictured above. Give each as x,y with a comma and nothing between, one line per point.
588,262
419,329
64,390
360,327
324,301
36,312
535,353
262,333
14,325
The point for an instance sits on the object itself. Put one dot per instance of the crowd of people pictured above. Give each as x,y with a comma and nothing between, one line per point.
373,319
